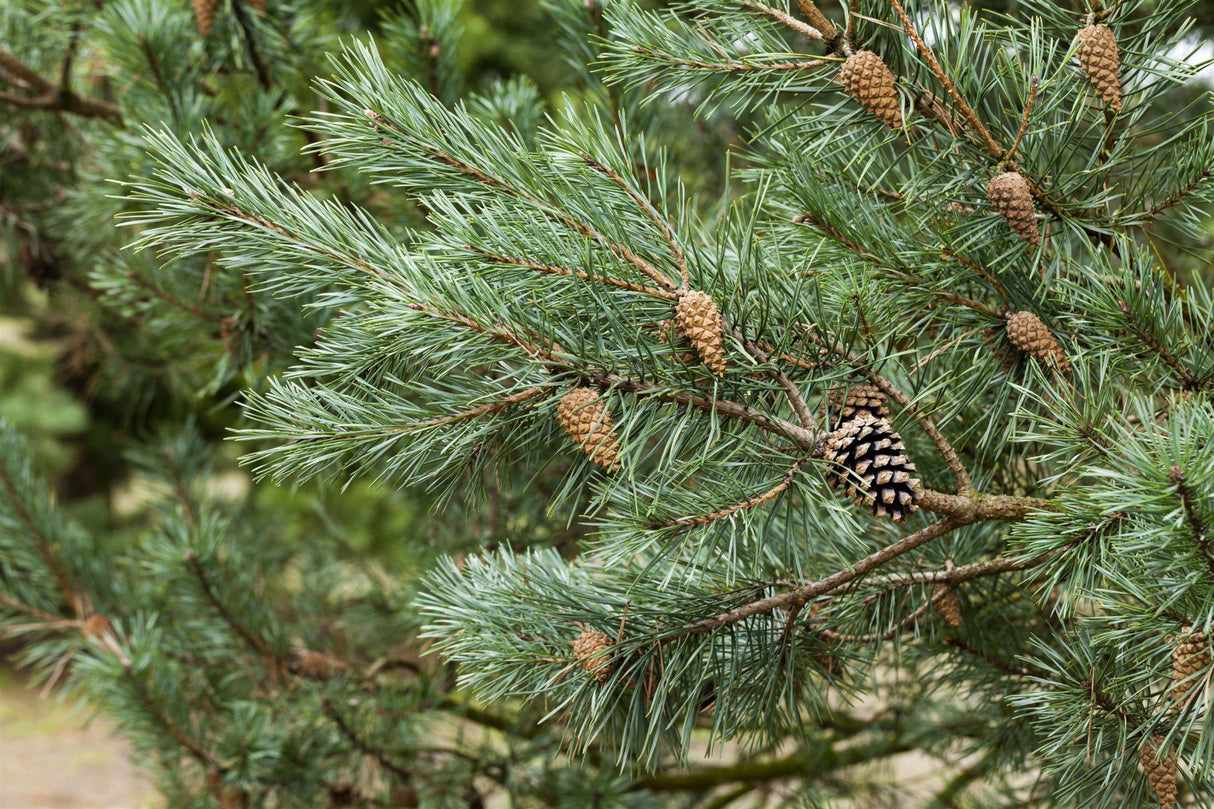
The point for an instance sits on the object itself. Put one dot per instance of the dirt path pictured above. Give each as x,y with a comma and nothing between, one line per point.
49,759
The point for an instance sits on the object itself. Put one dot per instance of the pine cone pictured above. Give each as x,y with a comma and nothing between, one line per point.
867,461
866,78
698,320
587,649
1161,775
667,334
204,15
1029,333
946,604
584,416
1191,655
1010,197
1099,59
863,397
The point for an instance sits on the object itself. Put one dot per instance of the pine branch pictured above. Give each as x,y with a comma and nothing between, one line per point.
803,595
1148,339
1193,516
1003,665
757,500
51,97
275,663
816,34
191,746
362,745
1176,198
246,27
730,66
549,269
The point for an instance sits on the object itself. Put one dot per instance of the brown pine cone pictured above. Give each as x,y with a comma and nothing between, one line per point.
588,648
667,334
866,78
699,321
204,15
862,397
1191,655
1010,197
1029,333
946,603
866,459
584,416
1099,59
1161,775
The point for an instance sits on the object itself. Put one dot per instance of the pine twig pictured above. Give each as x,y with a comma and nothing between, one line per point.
1148,339
550,269
1002,665
246,27
992,146
730,65
50,96
1175,199
361,744
1193,516
757,500
1024,121
645,205
787,19
191,746
803,595
271,658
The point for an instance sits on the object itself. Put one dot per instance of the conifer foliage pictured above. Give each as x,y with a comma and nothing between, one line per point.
1024,543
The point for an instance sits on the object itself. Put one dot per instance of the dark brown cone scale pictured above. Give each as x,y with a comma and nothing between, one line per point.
1191,656
587,648
699,322
866,78
862,397
1029,333
204,15
1099,58
1161,775
867,460
1010,197
584,416
946,604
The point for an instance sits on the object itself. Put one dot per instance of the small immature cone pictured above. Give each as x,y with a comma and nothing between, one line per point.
584,416
1161,775
1099,58
1029,333
699,321
946,604
866,78
1010,197
1191,655
587,649
204,15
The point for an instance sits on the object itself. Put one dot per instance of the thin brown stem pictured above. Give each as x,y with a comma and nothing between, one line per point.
1148,339
246,27
872,637
729,65
1193,516
807,593
818,31
272,660
645,205
550,269
1024,121
1179,195
1003,665
194,748
361,744
992,146
43,544
791,391
50,96
745,505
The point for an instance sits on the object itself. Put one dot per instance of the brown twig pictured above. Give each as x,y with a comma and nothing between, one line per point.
992,146
889,634
1193,516
585,276
1024,121
818,34
271,658
246,26
791,391
50,96
729,65
1148,339
803,595
757,500
191,746
645,205
1179,195
361,744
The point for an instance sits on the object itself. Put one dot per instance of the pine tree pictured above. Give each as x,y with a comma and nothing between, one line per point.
672,370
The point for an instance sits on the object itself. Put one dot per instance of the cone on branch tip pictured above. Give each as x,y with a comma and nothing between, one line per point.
1011,198
867,460
863,397
866,78
204,15
946,603
588,648
1191,656
1029,333
584,416
699,322
1101,61
1161,774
